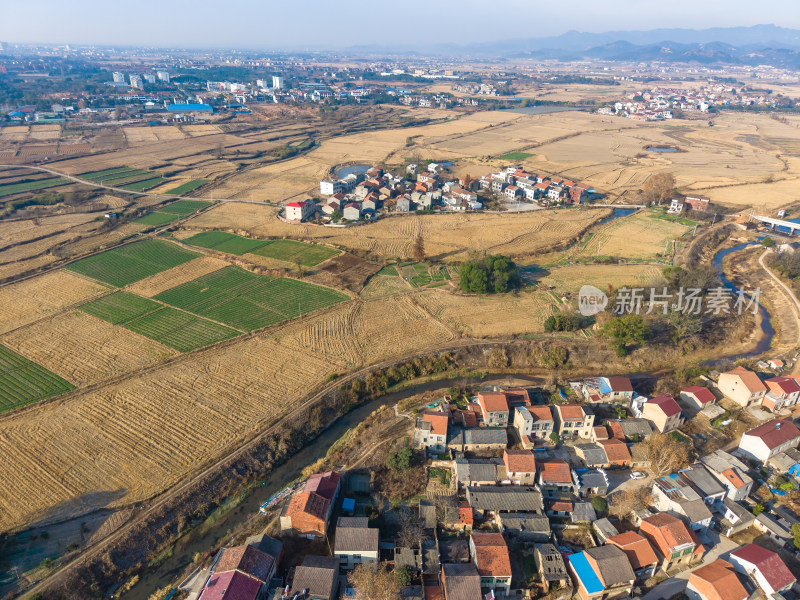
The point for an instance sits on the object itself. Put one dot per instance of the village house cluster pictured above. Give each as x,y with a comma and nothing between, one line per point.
659,103
515,184
511,476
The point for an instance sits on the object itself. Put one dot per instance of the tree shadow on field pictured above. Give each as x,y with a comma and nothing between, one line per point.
63,528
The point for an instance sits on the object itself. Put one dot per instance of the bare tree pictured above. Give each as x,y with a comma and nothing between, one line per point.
658,188
419,248
374,581
665,453
411,531
625,502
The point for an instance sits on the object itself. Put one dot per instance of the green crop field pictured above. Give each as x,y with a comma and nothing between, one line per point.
249,301
292,251
97,175
132,262
225,242
156,219
180,330
121,179
516,156
140,186
31,186
187,187
120,307
24,382
183,207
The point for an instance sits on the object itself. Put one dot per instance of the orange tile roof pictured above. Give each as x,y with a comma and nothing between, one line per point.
668,532
616,430
636,547
438,421
600,433
733,477
491,554
750,380
519,461
555,470
561,506
493,401
433,592
616,450
540,413
571,411
718,581
309,503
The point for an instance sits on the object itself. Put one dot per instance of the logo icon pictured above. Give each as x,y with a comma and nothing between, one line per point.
591,301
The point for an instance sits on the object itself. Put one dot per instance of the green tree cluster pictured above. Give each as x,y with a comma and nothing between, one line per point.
562,322
490,274
625,332
400,460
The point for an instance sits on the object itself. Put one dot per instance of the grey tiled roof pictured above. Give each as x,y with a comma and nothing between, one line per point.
613,564
318,575
356,539
526,522
462,581
485,436
583,512
593,454
508,498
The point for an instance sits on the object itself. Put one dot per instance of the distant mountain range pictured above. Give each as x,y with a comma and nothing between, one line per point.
754,45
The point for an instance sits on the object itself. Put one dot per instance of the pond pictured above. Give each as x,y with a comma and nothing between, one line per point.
661,149
618,212
352,169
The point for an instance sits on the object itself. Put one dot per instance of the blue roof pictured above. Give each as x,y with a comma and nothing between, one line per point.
604,387
181,107
585,573
349,504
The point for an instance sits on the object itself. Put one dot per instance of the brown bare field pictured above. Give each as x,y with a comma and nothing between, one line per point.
449,237
16,232
195,130
83,349
385,285
570,278
366,332
127,441
638,236
491,315
27,301
155,284
25,266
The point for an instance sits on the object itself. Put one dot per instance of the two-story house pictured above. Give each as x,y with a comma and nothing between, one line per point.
730,472
742,386
573,421
555,478
673,539
602,572
494,408
782,392
430,431
765,567
608,389
534,422
715,581
663,412
520,466
490,555
355,542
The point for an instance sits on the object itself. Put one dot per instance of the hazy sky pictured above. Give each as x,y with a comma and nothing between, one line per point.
271,24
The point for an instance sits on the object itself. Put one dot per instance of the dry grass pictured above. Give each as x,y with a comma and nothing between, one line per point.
83,349
127,441
638,236
155,284
448,237
27,301
570,278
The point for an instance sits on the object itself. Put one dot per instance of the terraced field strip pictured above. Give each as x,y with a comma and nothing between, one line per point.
140,186
126,178
225,242
24,382
32,186
180,330
247,300
132,262
187,187
97,175
120,307
308,255
184,207
156,219
515,156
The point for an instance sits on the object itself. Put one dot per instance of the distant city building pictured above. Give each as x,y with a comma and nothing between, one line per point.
118,77
277,82
150,78
163,76
262,83
136,82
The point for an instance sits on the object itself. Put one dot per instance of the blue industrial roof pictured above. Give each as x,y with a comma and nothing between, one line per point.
604,387
585,573
188,107
349,504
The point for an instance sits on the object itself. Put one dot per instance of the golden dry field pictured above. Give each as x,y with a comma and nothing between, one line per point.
570,278
27,301
448,237
638,236
155,284
83,349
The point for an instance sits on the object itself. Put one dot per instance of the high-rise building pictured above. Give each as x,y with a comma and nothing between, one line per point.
136,81
118,77
277,82
163,76
149,77
262,83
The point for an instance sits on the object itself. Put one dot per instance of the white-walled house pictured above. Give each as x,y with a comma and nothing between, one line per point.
769,439
742,386
765,567
300,211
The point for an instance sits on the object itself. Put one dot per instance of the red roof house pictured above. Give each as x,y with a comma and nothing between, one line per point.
765,566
